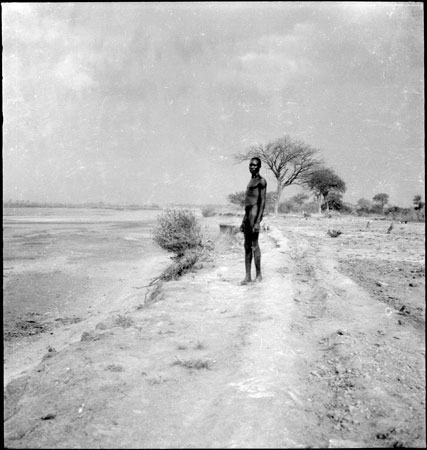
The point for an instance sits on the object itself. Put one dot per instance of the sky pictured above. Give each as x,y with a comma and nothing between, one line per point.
147,102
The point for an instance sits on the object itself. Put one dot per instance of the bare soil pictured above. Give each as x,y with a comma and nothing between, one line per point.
328,351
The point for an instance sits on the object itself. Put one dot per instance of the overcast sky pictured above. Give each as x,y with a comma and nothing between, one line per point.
147,102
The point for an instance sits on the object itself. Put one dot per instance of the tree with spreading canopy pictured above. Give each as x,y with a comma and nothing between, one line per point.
381,200
323,181
289,160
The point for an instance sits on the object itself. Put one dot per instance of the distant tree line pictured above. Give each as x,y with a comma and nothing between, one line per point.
91,205
379,205
303,203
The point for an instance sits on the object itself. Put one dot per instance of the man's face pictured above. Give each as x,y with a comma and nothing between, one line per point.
253,166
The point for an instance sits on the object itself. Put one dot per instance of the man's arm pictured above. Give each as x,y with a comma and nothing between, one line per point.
242,226
261,204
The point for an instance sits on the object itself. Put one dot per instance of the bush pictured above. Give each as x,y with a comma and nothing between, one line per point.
286,207
178,230
181,265
402,214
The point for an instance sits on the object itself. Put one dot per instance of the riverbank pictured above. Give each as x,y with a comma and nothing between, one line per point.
64,269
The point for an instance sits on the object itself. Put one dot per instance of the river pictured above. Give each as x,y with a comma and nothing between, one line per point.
58,262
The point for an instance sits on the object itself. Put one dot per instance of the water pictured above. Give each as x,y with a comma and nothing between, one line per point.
57,261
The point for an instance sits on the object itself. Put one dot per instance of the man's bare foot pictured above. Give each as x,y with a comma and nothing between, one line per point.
245,281
258,279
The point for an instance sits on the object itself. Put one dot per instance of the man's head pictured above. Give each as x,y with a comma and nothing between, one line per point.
254,165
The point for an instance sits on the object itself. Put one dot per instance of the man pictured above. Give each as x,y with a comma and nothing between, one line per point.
254,210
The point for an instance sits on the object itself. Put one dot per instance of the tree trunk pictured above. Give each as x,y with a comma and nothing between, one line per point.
277,200
320,203
325,197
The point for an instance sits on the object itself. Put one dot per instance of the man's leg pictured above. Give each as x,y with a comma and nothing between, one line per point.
248,256
257,257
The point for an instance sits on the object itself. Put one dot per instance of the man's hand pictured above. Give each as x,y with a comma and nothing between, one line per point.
257,227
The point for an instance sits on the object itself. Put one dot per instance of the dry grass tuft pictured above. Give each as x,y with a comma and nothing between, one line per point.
193,363
199,346
124,321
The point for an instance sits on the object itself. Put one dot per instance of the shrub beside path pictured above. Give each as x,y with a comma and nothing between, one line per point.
305,358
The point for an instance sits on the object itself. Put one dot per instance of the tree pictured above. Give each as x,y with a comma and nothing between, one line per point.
364,205
288,159
418,205
417,202
323,181
334,201
300,198
270,201
294,204
381,199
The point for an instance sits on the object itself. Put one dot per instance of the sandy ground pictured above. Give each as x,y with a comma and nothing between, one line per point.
328,351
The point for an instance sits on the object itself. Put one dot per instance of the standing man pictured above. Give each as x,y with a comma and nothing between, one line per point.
254,210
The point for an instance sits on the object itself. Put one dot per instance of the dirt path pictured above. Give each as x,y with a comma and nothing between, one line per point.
307,358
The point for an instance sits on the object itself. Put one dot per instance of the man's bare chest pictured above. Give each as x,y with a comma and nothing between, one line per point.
253,186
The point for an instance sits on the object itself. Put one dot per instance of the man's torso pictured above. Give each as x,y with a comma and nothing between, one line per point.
253,191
